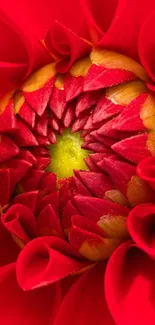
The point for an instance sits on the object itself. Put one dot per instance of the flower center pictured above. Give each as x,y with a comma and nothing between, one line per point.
67,154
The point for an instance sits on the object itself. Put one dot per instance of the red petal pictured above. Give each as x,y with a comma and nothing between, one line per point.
89,243
94,146
125,40
15,65
86,224
40,151
8,249
42,162
68,211
78,186
69,115
27,114
23,136
125,179
106,141
91,165
64,43
99,16
90,312
37,307
107,130
32,180
86,101
40,16
138,145
89,126
141,227
7,118
49,223
27,156
5,187
38,99
42,141
48,183
44,261
97,157
54,123
120,173
95,208
73,86
18,169
29,199
96,183
65,194
146,42
51,136
41,126
99,77
8,149
52,199
105,109
20,221
129,284
129,120
146,170
16,60
79,124
58,102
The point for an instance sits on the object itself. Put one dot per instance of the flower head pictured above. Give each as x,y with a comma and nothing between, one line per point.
77,148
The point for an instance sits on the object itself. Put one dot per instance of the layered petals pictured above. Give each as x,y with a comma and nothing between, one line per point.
68,228
125,179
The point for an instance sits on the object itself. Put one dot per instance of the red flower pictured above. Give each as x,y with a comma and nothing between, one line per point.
77,246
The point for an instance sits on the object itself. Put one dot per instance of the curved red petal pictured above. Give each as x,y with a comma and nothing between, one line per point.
11,40
99,16
87,297
16,64
66,45
21,222
129,286
123,33
147,46
146,170
141,227
37,307
46,260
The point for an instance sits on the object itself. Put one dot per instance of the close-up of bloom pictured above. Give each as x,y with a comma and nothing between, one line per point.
77,162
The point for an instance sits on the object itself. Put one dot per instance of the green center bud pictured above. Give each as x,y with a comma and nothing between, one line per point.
67,155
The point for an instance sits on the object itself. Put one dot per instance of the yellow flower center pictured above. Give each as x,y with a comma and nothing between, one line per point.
67,155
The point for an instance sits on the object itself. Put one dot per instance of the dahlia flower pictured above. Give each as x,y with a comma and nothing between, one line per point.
77,162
